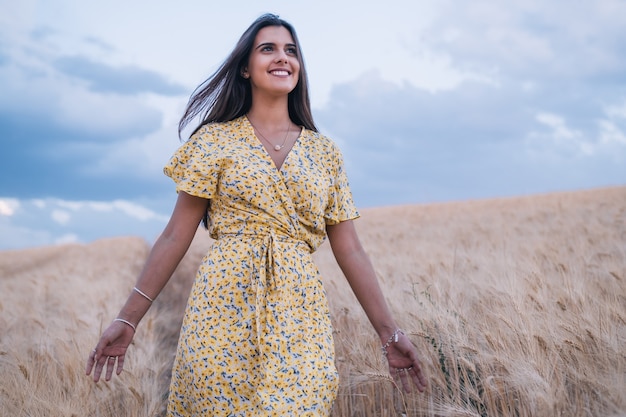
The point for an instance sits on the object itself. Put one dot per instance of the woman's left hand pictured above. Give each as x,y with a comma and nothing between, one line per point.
404,363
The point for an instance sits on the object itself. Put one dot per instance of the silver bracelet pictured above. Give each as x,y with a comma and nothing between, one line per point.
392,339
143,294
127,322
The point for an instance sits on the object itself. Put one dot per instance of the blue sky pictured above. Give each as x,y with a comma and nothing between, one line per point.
430,101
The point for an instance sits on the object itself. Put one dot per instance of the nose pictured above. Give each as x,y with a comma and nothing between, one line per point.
282,56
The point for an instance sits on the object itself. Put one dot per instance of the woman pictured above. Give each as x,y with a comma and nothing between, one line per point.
256,338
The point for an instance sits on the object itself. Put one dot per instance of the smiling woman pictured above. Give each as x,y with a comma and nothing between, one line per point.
257,339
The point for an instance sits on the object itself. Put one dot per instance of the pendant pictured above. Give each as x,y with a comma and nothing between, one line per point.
277,148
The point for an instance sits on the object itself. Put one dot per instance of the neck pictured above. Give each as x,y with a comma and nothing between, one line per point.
270,113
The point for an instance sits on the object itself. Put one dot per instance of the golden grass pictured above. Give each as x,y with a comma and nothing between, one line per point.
518,307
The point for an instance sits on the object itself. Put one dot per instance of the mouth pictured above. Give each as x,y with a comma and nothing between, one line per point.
280,72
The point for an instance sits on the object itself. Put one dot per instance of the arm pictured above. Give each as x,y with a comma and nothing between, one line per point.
358,270
165,255
163,259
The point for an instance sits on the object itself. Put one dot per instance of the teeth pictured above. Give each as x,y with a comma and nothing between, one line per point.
280,72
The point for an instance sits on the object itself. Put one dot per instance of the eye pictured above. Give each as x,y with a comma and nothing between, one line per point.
291,50
267,48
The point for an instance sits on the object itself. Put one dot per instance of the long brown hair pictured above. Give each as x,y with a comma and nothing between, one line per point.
226,95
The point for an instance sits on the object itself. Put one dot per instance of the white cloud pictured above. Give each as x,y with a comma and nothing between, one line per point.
560,131
8,206
530,37
70,205
610,133
61,217
613,126
67,238
39,203
558,137
617,111
128,208
137,211
77,221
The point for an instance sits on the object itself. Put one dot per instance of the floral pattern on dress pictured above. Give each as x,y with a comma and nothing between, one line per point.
256,339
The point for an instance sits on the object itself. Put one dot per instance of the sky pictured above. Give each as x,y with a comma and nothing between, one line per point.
430,101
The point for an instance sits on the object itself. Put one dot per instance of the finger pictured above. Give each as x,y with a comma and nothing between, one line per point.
100,361
418,375
404,381
120,363
91,360
419,380
396,375
110,367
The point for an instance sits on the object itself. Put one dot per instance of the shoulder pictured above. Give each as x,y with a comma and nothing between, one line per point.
212,133
321,142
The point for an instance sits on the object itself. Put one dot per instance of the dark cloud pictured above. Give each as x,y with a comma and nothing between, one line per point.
123,80
52,133
539,125
42,158
403,144
47,154
55,131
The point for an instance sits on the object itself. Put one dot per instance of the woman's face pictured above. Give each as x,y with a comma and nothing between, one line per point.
273,67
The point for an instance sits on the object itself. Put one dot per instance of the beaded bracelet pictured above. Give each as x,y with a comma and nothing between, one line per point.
127,322
392,339
142,294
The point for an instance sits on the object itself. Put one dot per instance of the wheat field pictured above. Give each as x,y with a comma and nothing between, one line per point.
517,305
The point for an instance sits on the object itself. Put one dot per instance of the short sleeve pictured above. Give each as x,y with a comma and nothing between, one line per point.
194,167
341,205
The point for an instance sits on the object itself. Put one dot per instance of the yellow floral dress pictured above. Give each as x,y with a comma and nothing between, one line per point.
256,339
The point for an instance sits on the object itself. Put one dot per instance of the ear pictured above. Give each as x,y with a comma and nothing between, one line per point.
244,73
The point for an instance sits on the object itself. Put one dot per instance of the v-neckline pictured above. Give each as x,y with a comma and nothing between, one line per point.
268,156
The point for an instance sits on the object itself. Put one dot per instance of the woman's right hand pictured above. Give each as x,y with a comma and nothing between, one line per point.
110,349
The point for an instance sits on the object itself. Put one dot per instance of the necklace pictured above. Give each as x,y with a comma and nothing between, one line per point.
276,147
